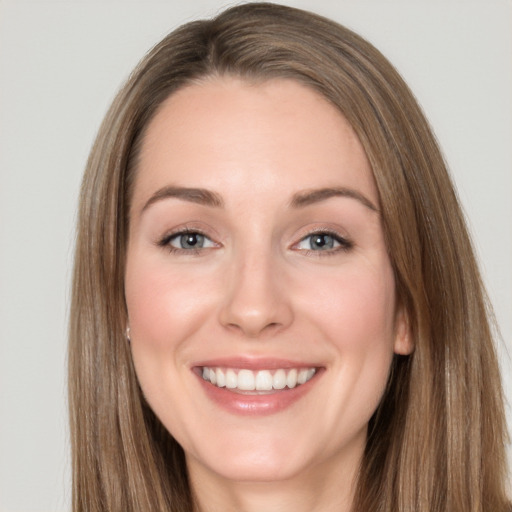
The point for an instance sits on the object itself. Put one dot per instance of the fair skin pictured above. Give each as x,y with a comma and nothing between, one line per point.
254,272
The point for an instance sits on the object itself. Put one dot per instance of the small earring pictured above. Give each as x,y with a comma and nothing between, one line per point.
127,334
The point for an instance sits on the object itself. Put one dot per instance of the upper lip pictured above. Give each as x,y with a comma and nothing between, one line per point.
254,363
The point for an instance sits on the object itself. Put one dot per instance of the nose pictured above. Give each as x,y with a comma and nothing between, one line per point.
256,301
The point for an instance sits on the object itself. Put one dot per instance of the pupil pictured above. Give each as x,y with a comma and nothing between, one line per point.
322,242
191,240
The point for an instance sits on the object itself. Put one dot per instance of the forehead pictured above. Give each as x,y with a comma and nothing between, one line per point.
225,133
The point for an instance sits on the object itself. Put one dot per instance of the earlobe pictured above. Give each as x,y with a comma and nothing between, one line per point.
404,345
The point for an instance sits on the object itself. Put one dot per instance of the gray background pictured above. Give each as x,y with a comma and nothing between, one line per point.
60,66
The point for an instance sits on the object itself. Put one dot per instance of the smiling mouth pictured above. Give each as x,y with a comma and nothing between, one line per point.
261,381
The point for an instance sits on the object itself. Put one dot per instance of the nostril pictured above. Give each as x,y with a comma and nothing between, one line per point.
254,304
255,331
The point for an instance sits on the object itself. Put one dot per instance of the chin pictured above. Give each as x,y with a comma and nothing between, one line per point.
259,459
255,468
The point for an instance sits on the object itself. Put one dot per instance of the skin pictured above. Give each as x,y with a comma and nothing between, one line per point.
258,288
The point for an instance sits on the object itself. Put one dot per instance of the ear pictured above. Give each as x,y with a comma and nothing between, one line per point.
404,345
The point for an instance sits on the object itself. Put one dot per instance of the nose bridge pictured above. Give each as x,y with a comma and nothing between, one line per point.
255,299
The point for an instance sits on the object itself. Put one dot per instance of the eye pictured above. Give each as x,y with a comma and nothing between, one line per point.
187,241
323,242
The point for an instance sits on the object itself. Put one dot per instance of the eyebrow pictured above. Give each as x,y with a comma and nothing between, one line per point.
308,197
299,200
193,195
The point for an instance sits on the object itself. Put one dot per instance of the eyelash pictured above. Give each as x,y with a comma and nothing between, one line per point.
345,244
165,242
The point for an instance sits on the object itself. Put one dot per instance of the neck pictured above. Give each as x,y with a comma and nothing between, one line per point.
318,489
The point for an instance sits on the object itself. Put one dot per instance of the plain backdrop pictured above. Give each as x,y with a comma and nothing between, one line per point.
60,66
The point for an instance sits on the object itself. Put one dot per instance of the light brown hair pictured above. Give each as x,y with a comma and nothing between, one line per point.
436,442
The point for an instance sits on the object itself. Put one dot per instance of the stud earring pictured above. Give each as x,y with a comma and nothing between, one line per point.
127,334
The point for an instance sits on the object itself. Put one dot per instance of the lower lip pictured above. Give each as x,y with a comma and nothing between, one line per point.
256,405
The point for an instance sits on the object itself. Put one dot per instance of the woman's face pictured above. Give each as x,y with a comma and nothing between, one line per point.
260,295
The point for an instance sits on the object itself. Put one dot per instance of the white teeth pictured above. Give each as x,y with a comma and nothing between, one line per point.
291,378
303,376
279,380
221,378
262,380
231,379
245,380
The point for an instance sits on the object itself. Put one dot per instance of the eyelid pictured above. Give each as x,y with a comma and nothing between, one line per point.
345,244
165,240
169,235
178,236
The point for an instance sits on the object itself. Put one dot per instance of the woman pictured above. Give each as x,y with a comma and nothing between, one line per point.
276,304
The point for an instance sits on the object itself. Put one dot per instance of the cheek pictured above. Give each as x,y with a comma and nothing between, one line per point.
357,308
163,305
165,309
357,315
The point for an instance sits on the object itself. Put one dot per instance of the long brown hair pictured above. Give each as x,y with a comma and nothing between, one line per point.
436,442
